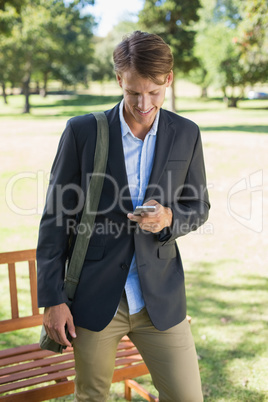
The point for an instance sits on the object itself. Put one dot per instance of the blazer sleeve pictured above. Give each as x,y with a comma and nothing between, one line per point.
191,206
63,202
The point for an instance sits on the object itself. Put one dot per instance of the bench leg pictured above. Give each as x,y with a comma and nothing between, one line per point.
127,391
131,384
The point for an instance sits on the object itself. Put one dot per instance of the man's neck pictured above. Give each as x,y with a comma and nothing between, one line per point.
137,130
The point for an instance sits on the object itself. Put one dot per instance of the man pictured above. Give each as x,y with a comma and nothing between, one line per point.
132,280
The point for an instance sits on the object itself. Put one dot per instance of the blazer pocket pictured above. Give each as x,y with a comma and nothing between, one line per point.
167,252
95,253
177,165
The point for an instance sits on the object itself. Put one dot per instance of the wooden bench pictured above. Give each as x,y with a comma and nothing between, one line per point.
28,373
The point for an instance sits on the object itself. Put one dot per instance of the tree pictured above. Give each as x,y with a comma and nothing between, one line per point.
102,68
173,20
252,40
49,36
14,3
231,45
200,74
72,34
219,58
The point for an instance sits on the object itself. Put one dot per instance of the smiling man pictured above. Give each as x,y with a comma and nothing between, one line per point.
143,99
132,281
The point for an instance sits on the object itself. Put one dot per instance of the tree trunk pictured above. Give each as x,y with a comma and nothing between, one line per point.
4,92
26,92
232,101
204,92
37,87
63,86
43,91
242,92
173,96
102,88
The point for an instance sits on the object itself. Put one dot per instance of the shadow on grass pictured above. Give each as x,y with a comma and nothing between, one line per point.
81,100
64,106
216,382
242,128
73,103
228,321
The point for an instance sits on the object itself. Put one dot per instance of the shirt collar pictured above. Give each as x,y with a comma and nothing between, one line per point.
125,127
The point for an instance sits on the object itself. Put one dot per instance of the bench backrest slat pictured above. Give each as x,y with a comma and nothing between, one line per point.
17,256
33,287
35,318
13,290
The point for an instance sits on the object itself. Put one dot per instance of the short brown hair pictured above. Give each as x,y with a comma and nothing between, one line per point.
146,53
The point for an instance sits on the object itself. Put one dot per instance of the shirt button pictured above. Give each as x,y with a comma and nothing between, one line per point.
124,266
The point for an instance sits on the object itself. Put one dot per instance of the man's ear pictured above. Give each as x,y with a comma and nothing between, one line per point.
169,79
119,79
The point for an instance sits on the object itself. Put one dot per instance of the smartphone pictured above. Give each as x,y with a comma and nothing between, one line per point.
144,208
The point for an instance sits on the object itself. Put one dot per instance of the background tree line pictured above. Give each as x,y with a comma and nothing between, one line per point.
42,40
219,43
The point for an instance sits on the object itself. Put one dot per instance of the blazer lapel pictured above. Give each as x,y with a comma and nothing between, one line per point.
116,160
163,147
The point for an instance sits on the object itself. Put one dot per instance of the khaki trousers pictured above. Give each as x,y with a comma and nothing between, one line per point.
169,355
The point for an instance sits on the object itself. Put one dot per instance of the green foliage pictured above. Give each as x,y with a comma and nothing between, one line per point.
75,48
9,9
252,40
47,37
173,21
14,3
101,68
231,44
227,11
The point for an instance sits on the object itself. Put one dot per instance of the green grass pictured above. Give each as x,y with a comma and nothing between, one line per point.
230,328
59,106
225,261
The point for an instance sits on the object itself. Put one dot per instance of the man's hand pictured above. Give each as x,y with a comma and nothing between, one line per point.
153,221
55,319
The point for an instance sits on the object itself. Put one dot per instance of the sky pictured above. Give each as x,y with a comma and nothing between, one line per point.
109,12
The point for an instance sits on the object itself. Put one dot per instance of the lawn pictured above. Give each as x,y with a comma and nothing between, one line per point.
225,261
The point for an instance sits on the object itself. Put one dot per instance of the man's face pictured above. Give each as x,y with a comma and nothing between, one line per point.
142,99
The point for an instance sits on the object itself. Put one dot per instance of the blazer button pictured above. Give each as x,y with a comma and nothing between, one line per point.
124,266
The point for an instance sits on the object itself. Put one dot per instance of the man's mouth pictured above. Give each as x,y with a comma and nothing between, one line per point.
144,112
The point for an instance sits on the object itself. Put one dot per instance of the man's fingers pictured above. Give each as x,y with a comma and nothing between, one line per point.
152,202
56,320
154,228
63,338
71,327
57,335
153,221
143,217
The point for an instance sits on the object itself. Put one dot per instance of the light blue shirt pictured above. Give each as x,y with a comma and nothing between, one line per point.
139,157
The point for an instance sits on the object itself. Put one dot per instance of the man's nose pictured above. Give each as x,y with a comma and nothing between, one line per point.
144,103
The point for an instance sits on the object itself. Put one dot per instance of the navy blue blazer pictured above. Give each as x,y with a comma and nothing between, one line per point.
177,180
